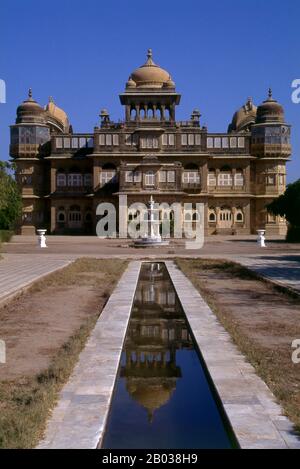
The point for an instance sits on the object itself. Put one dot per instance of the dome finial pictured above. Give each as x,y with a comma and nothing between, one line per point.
51,100
149,57
30,93
270,94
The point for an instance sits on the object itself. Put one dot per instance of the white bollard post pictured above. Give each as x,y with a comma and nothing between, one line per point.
261,238
42,238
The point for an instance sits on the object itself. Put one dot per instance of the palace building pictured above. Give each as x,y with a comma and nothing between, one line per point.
64,175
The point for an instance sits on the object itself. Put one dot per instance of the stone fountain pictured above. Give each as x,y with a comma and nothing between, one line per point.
153,238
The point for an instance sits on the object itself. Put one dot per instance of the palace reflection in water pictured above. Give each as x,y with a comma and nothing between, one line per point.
162,397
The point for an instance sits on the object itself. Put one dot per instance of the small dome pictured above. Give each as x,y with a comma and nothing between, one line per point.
130,83
58,114
30,111
169,84
150,75
244,117
270,111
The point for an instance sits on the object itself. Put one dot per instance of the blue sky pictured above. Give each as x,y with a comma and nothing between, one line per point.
218,52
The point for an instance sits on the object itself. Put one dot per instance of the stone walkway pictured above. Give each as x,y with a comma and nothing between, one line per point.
256,419
17,272
281,269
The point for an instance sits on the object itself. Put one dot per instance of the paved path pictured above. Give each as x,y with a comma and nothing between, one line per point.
281,269
19,271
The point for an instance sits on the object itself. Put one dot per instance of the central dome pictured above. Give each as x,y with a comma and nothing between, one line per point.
150,75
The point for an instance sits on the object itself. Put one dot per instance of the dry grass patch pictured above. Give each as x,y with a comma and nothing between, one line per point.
45,330
262,320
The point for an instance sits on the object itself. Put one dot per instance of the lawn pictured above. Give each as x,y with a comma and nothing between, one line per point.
262,320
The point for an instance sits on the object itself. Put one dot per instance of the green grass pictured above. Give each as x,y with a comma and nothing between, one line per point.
5,235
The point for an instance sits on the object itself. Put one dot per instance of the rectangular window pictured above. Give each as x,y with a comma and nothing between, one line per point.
239,179
162,176
67,142
191,177
102,140
59,142
155,142
74,142
217,142
198,139
115,140
184,140
74,180
210,142
225,179
90,142
107,176
129,176
232,142
225,143
108,139
171,176
150,178
191,139
61,180
241,142
171,140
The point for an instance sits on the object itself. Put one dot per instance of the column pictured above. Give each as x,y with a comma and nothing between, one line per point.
163,116
53,179
204,176
53,219
127,112
123,216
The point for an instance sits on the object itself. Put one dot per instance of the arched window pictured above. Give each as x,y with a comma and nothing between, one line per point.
61,215
225,217
239,216
212,217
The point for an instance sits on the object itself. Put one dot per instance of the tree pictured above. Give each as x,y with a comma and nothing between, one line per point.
10,198
288,205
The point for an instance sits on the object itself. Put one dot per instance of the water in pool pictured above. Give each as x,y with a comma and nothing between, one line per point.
163,398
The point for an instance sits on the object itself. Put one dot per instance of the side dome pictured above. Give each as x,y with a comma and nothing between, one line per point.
30,111
270,111
244,117
57,116
150,75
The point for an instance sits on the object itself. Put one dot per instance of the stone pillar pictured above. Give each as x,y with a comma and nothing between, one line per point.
233,178
137,108
53,218
247,181
127,112
204,176
163,116
53,179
